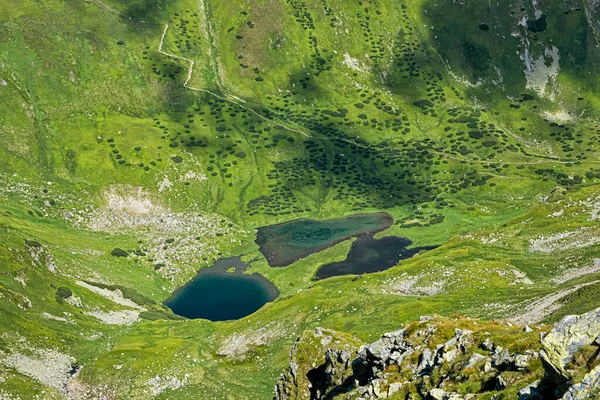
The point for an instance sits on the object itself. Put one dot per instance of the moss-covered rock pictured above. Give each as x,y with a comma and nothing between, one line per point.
562,344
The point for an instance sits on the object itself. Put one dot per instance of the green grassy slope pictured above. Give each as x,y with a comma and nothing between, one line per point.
455,119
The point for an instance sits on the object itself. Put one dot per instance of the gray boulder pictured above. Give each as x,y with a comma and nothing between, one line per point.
568,336
531,392
561,344
588,389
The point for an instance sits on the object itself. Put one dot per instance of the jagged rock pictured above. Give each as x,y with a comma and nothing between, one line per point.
390,349
531,392
521,361
438,394
463,339
568,336
500,383
377,388
459,333
362,390
336,361
487,367
341,368
379,350
394,387
451,355
427,362
588,389
317,367
450,344
565,339
501,360
294,371
487,345
398,357
527,329
475,359
396,337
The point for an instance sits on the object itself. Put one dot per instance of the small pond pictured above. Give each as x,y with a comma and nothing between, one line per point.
222,292
285,243
368,254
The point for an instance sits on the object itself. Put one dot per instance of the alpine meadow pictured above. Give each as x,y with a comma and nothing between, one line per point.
300,199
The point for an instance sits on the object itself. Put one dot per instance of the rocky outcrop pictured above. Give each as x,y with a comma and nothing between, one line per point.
450,359
588,388
571,349
320,365
568,336
429,359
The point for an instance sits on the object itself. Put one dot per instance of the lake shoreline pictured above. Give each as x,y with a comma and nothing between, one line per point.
219,295
287,242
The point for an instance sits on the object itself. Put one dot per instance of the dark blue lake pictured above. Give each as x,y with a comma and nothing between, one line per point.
371,255
218,295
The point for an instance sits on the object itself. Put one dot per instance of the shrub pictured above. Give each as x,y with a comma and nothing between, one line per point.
117,252
423,104
62,293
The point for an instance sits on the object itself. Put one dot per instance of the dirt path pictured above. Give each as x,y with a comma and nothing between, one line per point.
232,99
105,6
541,308
542,160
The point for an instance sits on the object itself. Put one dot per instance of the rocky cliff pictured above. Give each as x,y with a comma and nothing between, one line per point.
449,359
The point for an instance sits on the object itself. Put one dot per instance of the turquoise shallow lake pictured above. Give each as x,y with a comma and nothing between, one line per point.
285,243
218,295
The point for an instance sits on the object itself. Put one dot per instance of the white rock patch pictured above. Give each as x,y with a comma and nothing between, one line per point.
159,384
194,234
559,116
541,308
405,285
238,344
74,301
165,184
123,317
56,318
583,237
112,295
129,199
48,366
42,256
353,63
578,272
537,71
